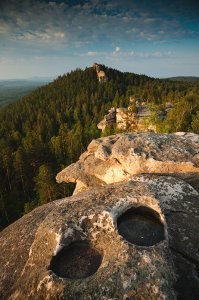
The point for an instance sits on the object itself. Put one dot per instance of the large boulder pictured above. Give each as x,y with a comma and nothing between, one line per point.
131,240
116,158
131,234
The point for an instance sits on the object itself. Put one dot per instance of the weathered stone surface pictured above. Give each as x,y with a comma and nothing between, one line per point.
127,270
189,135
127,236
15,243
116,158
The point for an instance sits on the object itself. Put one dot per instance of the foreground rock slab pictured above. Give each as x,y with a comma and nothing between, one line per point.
131,240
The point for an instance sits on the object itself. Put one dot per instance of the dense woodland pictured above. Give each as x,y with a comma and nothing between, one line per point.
48,130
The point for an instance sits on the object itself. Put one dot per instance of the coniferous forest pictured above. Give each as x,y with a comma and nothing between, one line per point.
48,129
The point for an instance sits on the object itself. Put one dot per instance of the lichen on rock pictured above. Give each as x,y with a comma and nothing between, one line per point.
126,236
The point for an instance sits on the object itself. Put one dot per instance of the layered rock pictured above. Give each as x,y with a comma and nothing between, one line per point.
133,239
116,158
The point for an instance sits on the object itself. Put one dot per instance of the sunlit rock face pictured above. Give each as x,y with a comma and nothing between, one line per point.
101,75
125,118
116,158
125,236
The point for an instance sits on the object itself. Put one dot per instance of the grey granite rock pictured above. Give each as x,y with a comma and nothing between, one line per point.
126,270
129,232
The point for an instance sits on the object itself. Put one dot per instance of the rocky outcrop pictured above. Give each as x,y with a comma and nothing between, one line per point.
109,120
136,117
123,118
120,118
116,158
133,239
101,75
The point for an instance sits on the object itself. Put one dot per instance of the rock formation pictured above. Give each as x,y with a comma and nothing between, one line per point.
101,75
126,236
109,120
134,119
120,118
116,158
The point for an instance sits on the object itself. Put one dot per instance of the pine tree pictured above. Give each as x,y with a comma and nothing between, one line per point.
45,184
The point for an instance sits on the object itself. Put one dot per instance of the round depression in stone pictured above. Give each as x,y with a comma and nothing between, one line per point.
78,260
141,226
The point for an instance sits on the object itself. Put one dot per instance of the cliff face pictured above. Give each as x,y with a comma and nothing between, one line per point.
131,234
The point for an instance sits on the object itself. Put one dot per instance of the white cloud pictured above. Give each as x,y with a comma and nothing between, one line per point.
117,51
136,54
42,28
59,35
41,35
58,20
93,53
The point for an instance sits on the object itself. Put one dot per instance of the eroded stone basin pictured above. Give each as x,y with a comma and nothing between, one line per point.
141,226
78,260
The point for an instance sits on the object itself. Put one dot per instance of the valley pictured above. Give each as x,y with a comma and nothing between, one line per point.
13,90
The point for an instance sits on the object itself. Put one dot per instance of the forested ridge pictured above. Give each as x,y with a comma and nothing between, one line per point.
48,129
185,78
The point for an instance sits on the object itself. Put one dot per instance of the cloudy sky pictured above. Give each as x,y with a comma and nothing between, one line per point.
49,38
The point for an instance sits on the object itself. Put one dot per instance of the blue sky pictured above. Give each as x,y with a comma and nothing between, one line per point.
49,38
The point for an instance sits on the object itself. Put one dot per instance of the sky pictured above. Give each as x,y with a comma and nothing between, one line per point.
50,38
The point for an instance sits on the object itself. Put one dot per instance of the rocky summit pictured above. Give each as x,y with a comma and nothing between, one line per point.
130,231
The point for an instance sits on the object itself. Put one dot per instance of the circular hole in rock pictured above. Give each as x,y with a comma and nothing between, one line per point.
141,226
78,260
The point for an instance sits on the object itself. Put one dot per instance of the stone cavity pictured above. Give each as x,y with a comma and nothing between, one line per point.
78,260
157,175
141,226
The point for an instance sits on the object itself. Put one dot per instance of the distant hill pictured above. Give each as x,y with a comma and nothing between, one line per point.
184,78
50,127
13,89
